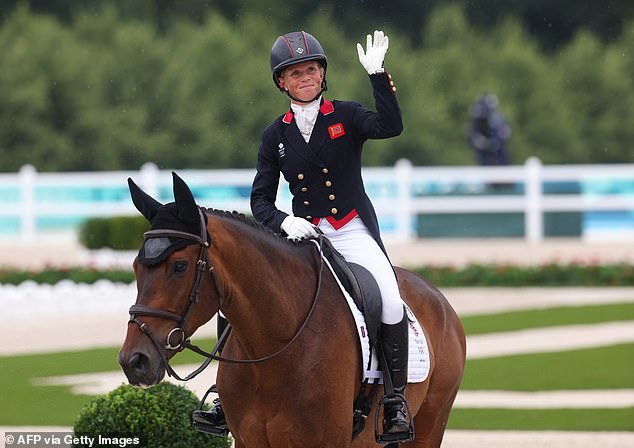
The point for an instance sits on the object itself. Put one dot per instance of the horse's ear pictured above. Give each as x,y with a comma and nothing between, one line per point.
185,203
143,202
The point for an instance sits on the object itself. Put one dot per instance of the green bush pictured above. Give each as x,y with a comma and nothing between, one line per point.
159,416
119,232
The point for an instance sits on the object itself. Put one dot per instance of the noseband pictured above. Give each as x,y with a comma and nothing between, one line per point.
203,264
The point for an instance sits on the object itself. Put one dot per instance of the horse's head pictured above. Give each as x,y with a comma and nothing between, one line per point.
172,272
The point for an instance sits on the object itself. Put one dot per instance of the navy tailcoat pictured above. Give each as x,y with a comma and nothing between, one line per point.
324,175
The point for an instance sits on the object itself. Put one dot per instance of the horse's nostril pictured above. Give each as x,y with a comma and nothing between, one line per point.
139,363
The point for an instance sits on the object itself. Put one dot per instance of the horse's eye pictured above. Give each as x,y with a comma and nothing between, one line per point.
180,266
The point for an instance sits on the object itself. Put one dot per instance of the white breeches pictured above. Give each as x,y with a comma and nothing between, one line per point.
356,245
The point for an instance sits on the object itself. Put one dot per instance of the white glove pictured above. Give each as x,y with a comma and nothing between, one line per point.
298,228
372,59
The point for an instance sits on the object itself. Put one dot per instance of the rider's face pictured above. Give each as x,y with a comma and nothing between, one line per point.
303,80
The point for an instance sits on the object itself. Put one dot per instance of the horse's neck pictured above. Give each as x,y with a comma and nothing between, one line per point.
271,289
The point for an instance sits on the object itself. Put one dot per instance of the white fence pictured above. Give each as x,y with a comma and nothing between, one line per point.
399,193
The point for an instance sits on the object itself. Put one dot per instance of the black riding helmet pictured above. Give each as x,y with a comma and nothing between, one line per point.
292,48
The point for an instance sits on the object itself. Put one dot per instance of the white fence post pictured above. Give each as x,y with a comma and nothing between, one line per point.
149,174
27,177
534,214
405,215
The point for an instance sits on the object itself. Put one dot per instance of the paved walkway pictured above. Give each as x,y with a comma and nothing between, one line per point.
45,318
459,252
537,439
550,339
65,251
488,439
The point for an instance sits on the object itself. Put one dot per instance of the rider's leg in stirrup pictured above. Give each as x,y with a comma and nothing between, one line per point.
394,343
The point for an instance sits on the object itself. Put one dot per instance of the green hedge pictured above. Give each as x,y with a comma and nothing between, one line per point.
53,275
554,274
119,232
158,416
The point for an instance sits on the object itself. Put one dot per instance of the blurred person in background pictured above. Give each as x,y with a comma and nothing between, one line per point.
488,133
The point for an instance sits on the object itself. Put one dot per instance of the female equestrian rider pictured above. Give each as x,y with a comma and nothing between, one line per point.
316,145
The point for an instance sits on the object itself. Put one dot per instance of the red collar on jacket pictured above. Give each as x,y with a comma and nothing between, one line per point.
325,108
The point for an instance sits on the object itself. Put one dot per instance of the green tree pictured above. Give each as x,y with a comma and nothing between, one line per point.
109,90
597,87
34,115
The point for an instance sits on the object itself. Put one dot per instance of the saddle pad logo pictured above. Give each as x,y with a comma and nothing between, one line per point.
336,131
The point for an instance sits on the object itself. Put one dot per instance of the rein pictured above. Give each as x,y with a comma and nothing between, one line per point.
213,356
184,342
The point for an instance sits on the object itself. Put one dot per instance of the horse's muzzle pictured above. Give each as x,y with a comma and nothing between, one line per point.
140,370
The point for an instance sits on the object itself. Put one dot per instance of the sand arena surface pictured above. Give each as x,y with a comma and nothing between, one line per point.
64,250
72,317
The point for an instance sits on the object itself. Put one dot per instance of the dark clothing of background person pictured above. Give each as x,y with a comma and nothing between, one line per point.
488,132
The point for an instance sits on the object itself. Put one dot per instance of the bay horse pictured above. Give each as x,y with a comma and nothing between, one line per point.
278,301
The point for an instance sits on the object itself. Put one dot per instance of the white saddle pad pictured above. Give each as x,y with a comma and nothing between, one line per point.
418,367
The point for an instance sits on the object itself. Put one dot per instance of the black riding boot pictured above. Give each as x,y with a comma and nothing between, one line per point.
213,421
394,342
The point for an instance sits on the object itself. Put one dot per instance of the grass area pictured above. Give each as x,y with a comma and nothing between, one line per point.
596,368
25,404
543,419
604,367
548,317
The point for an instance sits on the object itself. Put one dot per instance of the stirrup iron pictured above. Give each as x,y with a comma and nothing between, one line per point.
398,437
200,421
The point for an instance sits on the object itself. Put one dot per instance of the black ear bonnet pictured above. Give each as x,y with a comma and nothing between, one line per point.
156,249
182,215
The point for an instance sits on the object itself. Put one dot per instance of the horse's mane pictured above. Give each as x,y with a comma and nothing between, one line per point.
251,222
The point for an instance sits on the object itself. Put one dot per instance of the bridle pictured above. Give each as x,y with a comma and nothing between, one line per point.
202,265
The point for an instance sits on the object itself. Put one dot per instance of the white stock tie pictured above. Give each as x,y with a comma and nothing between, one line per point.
305,117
